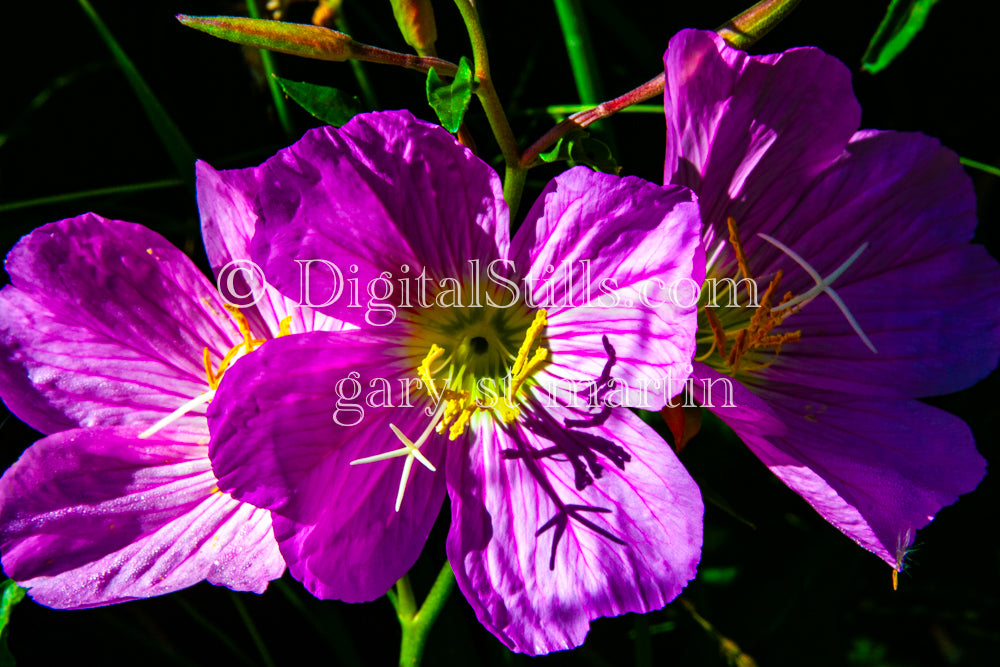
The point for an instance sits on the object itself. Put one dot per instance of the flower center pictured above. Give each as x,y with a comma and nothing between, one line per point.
468,368
749,327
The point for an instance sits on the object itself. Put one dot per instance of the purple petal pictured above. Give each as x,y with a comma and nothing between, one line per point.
383,192
96,516
229,217
626,264
275,443
539,551
877,469
929,301
749,133
105,323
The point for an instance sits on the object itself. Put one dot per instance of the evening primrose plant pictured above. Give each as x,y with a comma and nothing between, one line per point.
415,351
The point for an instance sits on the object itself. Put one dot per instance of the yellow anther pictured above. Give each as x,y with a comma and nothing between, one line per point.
458,428
523,366
284,327
247,346
241,322
529,339
424,370
213,381
507,411
536,360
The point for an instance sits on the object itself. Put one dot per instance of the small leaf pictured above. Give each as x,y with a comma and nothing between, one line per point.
308,41
450,100
903,20
332,106
580,148
10,595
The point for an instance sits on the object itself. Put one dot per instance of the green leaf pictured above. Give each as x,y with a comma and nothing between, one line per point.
181,153
450,100
332,106
10,595
267,61
903,20
580,148
308,41
717,575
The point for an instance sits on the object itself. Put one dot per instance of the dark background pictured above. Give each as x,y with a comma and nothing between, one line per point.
790,591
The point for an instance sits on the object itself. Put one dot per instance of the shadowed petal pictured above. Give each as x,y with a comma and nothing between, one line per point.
375,195
929,301
95,516
877,469
617,258
105,323
276,442
539,551
229,216
749,133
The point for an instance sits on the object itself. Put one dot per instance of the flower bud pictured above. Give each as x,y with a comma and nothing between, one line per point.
415,19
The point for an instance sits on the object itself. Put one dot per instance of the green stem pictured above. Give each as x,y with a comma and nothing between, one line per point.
99,192
487,94
580,51
177,147
417,626
358,68
214,629
643,645
740,32
280,107
252,629
563,110
406,604
982,166
745,30
582,119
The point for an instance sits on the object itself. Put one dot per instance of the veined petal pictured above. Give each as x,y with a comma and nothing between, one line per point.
617,259
95,516
538,556
877,469
373,197
928,300
227,202
105,323
286,425
749,133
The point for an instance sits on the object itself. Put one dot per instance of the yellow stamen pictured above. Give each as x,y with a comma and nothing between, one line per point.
424,370
523,367
458,428
718,332
734,240
529,339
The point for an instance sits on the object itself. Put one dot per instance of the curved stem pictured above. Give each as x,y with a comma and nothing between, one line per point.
487,94
375,54
740,32
582,119
416,625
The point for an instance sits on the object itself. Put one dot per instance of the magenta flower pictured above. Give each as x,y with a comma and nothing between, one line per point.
563,510
112,341
869,233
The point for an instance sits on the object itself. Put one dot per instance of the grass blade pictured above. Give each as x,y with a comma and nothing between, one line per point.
181,153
